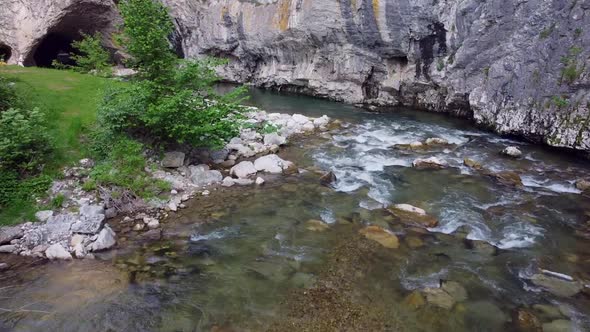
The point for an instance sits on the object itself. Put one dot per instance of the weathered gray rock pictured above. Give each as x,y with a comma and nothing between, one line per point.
439,298
243,170
8,249
9,233
274,139
56,251
512,151
91,219
272,164
260,181
583,185
43,216
106,239
202,176
173,159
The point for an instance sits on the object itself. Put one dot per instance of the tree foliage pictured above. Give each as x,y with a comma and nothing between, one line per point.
92,57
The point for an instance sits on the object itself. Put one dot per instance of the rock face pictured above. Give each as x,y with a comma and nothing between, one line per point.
516,67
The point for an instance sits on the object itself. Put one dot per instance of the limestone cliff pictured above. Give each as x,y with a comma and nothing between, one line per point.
518,67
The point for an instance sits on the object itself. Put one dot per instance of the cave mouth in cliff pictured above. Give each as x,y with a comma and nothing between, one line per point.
5,52
55,46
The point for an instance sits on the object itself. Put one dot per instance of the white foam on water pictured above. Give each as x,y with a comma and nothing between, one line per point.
215,235
370,204
519,235
530,181
419,282
327,216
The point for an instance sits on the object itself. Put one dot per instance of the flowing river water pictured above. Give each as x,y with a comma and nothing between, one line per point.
243,258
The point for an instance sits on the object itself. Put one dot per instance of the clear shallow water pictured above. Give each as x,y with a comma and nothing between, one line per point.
244,260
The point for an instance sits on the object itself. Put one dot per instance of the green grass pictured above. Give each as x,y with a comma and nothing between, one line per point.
70,101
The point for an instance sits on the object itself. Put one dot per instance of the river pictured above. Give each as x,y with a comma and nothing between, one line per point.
243,258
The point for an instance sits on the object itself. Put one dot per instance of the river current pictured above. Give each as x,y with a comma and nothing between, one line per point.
244,258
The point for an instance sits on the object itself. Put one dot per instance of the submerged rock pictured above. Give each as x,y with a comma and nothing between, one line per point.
316,225
455,290
438,297
557,286
524,320
411,215
512,151
583,185
429,163
472,164
173,159
56,251
508,178
559,325
415,300
436,141
381,236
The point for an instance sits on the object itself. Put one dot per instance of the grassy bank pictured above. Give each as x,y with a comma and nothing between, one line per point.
69,100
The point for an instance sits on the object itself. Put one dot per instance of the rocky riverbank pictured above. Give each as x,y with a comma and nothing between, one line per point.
80,226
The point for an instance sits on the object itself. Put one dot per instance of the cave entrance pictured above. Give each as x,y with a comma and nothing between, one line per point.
5,52
80,17
55,46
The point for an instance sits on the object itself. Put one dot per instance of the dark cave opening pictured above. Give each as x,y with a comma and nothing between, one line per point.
54,46
5,52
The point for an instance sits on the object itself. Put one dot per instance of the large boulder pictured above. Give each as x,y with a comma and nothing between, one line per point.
243,170
272,164
57,251
173,159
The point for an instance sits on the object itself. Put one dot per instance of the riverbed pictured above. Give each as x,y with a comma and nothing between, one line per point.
245,258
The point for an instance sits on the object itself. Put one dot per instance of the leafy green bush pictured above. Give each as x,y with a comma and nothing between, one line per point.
8,95
92,57
24,140
125,167
14,189
174,101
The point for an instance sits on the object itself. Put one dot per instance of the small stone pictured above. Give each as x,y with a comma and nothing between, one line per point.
271,164
106,239
172,206
508,178
274,139
77,239
381,236
415,145
86,163
173,192
43,216
7,249
328,178
429,163
526,321
9,233
583,185
56,251
110,213
79,251
259,181
315,225
472,163
228,182
512,151
436,141
152,234
4,266
411,215
138,227
206,193
173,159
